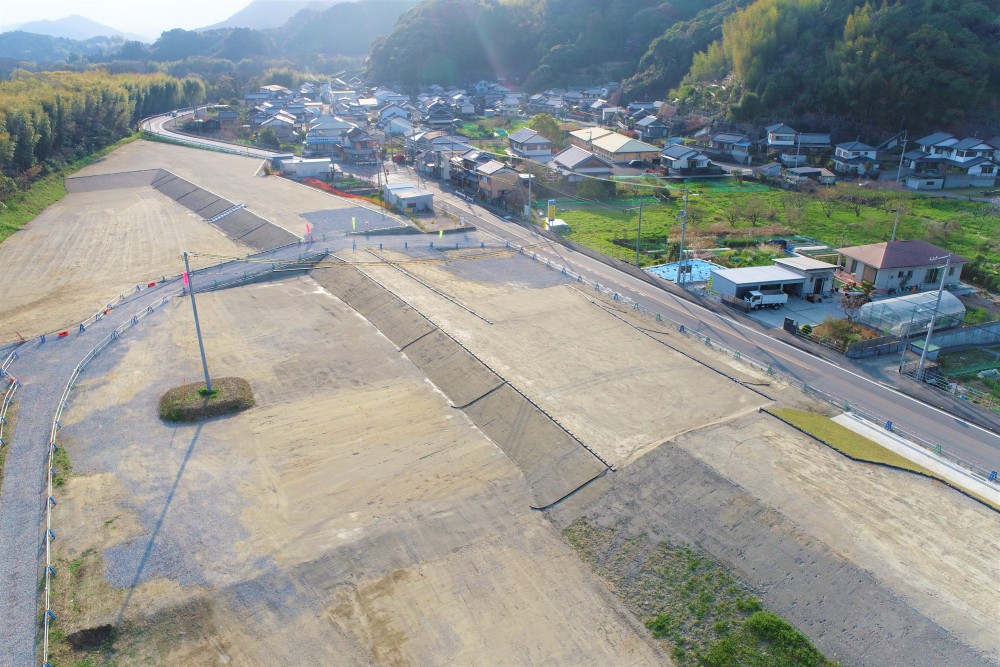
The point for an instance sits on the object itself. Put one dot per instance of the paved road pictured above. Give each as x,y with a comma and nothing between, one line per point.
947,421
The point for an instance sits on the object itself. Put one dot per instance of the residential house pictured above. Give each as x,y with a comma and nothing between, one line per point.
735,144
575,164
275,92
437,140
855,157
528,143
584,136
898,266
683,160
463,165
405,196
359,147
942,160
495,179
228,120
651,127
793,146
391,110
818,174
621,149
325,136
283,126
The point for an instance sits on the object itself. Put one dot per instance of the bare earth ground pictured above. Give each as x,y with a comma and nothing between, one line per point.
621,392
232,177
926,541
352,517
90,247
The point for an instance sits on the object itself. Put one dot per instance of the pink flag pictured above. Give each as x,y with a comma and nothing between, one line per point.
308,228
186,278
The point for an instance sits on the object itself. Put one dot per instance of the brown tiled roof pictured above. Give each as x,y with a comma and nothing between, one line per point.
898,254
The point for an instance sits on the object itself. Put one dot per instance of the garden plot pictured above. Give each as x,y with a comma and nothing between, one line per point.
351,517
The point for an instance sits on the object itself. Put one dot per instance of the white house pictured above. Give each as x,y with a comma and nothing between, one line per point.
306,168
855,157
405,196
678,157
901,265
529,143
575,164
941,160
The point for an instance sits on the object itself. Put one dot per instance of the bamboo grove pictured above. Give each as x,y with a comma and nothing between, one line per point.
48,119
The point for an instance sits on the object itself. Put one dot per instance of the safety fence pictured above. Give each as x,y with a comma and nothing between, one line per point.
934,378
50,501
9,390
934,448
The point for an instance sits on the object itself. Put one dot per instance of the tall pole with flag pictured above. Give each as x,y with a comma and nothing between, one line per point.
197,325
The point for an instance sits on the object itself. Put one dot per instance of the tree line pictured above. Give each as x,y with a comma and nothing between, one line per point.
48,119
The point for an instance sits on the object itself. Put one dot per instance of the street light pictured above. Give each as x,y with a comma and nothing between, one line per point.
930,327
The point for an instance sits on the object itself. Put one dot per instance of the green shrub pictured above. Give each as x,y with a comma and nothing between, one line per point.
191,402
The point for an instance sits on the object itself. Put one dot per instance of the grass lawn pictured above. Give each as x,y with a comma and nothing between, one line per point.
23,207
722,210
857,446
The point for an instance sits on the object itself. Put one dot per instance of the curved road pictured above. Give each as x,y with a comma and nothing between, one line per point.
945,420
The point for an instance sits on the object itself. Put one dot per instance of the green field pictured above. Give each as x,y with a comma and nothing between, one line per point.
722,211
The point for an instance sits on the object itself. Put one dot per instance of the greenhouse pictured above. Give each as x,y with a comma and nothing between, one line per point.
910,314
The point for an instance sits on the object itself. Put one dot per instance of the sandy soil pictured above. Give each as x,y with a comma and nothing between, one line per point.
90,247
620,391
230,176
352,517
926,541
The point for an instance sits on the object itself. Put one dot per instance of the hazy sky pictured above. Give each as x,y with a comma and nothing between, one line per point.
143,17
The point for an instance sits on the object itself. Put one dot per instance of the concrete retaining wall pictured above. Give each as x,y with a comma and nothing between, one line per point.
981,334
553,461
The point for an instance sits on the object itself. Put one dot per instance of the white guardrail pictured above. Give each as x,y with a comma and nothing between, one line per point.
50,502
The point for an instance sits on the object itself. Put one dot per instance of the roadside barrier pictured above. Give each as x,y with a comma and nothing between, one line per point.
11,387
50,502
973,468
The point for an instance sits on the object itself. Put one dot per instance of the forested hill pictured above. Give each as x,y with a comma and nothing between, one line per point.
538,42
888,64
934,63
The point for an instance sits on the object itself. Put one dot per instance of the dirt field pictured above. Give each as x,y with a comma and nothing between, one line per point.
352,517
619,391
233,177
90,247
924,540
356,517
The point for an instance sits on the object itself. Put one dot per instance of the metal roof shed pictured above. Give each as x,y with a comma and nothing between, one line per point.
737,282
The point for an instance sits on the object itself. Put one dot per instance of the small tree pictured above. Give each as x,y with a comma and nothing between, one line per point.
851,302
268,138
546,126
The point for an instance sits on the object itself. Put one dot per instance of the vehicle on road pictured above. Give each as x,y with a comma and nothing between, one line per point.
766,299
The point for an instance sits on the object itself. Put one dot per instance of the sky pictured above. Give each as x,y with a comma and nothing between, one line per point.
142,17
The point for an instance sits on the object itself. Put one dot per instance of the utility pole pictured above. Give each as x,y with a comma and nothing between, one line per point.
930,327
638,238
197,325
899,170
680,254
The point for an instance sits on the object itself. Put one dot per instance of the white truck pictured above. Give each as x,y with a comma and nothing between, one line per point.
758,299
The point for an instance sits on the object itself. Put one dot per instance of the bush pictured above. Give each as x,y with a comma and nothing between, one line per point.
806,329
191,402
